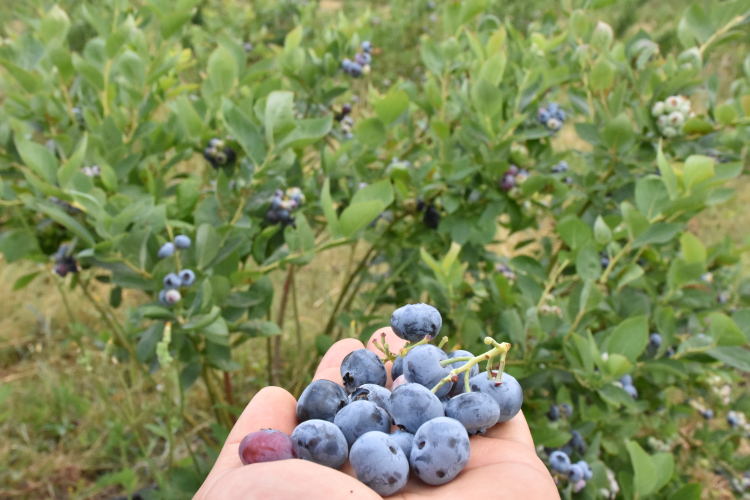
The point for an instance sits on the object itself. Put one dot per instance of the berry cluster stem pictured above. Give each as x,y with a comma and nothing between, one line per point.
383,347
498,349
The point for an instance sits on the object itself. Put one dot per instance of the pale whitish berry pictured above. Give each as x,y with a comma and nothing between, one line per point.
172,297
673,103
676,119
669,132
658,109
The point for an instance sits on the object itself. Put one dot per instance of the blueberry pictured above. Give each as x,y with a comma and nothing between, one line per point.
321,442
542,115
577,442
172,281
182,242
360,367
626,380
422,366
508,395
586,468
476,411
553,124
374,394
552,108
507,182
397,369
359,417
321,400
604,262
669,352
732,419
412,405
631,390
208,154
559,461
172,297
363,58
554,413
458,387
379,463
707,414
440,451
166,250
283,215
266,445
247,46
567,409
355,70
272,216
187,277
229,155
560,115
575,473
215,143
163,298
404,440
431,217
654,340
366,46
513,170
413,322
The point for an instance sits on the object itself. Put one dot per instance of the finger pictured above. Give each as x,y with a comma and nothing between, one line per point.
394,345
515,429
330,366
270,408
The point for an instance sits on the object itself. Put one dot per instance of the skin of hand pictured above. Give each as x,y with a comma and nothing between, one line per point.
503,462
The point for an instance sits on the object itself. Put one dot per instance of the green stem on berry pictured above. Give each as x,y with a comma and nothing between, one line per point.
499,349
443,341
389,356
408,347
450,361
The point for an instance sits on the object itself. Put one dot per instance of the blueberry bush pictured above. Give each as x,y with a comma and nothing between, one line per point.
534,183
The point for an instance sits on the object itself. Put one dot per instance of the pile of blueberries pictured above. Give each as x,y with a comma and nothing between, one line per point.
513,177
170,294
671,114
361,63
433,409
282,206
218,154
552,117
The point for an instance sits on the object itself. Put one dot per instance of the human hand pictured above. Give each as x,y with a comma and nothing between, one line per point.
503,462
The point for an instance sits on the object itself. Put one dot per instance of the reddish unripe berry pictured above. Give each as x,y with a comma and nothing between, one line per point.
266,445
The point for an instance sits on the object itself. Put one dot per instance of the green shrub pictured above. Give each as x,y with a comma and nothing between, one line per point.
426,169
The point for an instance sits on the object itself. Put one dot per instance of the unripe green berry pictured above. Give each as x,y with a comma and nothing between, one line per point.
602,37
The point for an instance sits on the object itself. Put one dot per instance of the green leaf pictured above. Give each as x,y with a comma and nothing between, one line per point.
279,115
698,126
174,21
629,338
206,247
189,118
588,262
650,196
381,190
89,71
470,8
25,280
631,273
391,106
667,173
602,76
618,134
693,251
725,114
698,168
644,469
371,132
307,132
326,204
602,232
637,222
258,328
323,343
74,163
56,214
222,71
724,330
37,158
244,131
493,69
659,233
357,216
664,466
574,231
688,492
733,356
432,57
486,97
117,38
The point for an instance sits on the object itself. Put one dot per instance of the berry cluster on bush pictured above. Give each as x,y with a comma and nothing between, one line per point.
172,282
513,178
552,117
219,154
283,204
64,261
361,63
671,114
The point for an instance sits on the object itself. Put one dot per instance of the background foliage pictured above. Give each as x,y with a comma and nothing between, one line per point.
575,269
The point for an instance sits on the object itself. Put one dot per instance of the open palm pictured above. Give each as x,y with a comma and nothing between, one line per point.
503,463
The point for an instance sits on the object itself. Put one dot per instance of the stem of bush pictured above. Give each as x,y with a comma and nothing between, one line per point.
297,327
276,370
552,280
613,261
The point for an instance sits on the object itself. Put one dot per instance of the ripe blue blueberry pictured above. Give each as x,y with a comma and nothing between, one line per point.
567,409
604,262
182,242
577,442
560,115
631,390
654,340
360,367
359,417
172,281
507,182
626,380
422,366
373,393
575,473
363,58
404,440
166,250
586,468
552,108
379,462
732,419
440,451
412,405
367,46
560,462
276,202
321,442
187,277
163,298
397,369
476,411
321,400
554,413
542,115
508,394
413,322
355,70
707,414
458,387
